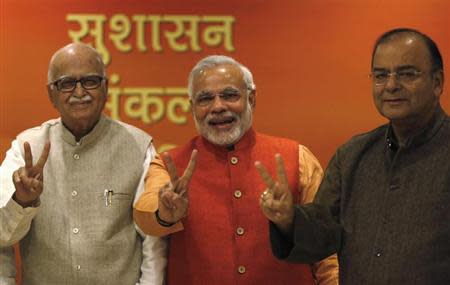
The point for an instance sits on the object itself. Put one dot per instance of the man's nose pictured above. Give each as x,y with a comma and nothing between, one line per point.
392,83
79,90
218,104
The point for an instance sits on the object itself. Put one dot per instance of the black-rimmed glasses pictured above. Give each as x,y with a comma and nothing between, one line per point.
68,84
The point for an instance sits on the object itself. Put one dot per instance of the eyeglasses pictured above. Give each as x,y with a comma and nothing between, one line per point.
206,99
69,84
403,76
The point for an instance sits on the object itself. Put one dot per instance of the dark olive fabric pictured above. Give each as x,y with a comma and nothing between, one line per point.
384,208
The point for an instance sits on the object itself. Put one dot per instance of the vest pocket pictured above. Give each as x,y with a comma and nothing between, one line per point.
113,198
111,213
121,196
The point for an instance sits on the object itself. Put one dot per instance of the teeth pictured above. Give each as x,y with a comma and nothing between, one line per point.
221,122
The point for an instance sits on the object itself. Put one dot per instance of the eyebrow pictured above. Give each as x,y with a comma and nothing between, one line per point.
203,93
230,90
405,67
225,90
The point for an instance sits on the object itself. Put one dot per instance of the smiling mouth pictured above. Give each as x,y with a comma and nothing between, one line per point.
225,122
394,101
80,105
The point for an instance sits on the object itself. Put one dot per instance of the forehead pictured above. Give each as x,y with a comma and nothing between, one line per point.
218,78
75,63
402,50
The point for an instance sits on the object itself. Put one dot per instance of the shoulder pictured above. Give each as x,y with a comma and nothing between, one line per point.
37,136
275,139
274,143
119,126
39,131
447,120
364,139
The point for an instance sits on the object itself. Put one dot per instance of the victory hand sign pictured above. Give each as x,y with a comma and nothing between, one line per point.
173,197
276,201
29,179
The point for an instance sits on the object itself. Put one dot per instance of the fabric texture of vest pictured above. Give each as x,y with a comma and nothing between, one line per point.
77,237
225,238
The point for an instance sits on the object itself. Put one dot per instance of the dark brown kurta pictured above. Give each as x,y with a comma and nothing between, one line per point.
385,209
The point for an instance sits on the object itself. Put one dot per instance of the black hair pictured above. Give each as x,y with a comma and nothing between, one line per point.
436,58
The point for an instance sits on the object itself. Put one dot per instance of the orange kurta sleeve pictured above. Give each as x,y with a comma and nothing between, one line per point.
326,271
146,206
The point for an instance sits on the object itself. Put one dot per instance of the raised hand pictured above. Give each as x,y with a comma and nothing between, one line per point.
173,197
276,201
29,179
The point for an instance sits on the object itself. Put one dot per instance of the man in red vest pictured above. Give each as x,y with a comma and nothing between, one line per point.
222,239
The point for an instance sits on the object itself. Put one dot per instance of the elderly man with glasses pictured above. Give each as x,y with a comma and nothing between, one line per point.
71,206
383,205
222,239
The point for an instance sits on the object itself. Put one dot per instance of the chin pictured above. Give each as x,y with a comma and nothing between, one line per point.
394,114
223,138
82,117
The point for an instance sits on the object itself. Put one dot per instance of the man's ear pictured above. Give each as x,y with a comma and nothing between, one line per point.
438,83
51,94
106,85
191,105
252,98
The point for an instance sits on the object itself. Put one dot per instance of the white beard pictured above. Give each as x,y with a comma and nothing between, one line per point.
223,138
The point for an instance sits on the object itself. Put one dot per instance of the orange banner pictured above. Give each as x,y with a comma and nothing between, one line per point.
310,60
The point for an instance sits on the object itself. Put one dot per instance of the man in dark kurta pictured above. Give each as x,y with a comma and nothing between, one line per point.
384,203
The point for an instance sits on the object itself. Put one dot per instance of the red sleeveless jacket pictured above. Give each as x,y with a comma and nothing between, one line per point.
225,238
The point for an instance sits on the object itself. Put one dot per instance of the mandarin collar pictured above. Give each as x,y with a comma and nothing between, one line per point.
91,136
422,136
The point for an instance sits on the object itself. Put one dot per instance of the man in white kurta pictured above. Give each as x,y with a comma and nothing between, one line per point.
67,188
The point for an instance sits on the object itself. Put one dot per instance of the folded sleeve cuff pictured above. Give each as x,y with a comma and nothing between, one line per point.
15,222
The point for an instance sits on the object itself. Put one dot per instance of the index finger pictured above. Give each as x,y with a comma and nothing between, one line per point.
281,171
44,155
28,155
189,171
264,174
171,169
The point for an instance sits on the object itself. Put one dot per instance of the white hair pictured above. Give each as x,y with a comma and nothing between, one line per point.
216,60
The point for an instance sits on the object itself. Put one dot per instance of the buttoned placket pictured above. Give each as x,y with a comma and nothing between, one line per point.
380,247
76,230
239,233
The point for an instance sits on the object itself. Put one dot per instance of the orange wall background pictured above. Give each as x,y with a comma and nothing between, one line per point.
310,60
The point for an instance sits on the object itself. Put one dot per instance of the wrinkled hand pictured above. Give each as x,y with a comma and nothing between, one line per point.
173,199
276,201
29,180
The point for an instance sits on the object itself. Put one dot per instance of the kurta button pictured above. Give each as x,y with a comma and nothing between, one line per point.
237,194
76,156
78,267
240,231
234,160
378,254
241,269
74,193
75,230
393,187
